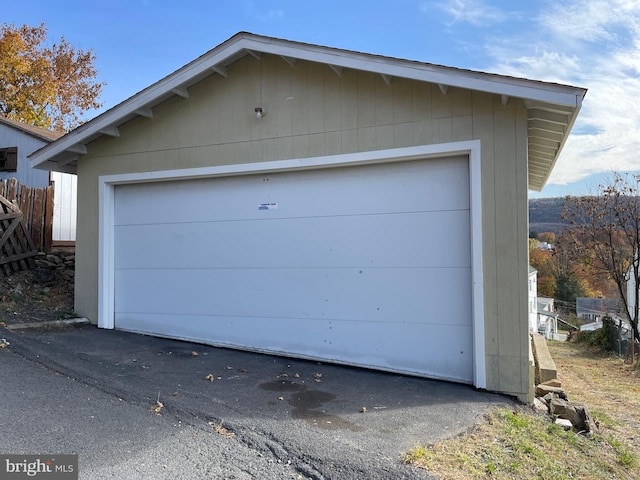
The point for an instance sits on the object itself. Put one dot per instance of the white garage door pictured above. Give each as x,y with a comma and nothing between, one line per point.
367,265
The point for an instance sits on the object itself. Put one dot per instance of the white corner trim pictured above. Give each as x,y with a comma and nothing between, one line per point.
477,266
471,148
106,266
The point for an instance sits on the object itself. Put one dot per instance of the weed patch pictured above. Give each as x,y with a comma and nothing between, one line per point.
521,444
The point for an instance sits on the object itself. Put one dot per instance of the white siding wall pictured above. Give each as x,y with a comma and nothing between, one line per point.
11,137
631,292
64,208
533,301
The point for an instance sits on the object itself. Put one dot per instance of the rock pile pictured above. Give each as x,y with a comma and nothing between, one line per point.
57,264
552,399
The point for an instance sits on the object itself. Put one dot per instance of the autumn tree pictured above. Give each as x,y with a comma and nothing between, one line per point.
542,261
548,237
609,226
49,86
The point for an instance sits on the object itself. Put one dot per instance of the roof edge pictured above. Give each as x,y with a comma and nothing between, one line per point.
31,130
243,43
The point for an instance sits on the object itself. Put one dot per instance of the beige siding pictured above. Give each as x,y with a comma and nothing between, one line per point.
311,111
86,279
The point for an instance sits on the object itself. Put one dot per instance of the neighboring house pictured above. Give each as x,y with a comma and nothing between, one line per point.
595,309
547,322
632,292
308,201
533,299
541,317
17,142
545,305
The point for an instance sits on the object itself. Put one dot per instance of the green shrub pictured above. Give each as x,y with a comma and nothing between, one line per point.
601,338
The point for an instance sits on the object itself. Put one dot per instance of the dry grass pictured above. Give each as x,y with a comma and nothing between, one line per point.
606,384
23,299
523,445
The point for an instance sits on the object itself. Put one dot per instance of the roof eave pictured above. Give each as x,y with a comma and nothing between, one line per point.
46,136
539,183
59,154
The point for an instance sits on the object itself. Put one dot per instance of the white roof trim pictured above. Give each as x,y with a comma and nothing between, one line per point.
565,98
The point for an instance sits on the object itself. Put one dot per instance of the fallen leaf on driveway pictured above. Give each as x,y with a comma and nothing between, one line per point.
280,398
228,367
194,353
156,407
243,370
175,394
210,377
4,343
2,324
220,429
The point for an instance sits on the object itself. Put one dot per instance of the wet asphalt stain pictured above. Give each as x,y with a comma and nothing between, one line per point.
283,386
307,405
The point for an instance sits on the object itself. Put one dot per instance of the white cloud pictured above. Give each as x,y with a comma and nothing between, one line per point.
593,44
256,12
475,12
581,20
550,66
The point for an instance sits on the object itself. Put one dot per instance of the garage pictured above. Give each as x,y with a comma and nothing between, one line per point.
367,265
320,203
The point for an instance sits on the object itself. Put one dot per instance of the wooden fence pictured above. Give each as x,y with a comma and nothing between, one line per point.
16,248
36,205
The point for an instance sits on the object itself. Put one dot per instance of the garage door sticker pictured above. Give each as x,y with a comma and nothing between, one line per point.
268,206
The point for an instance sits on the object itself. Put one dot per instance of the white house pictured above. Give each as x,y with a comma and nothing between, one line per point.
595,309
541,317
632,291
17,142
546,246
294,199
533,300
547,318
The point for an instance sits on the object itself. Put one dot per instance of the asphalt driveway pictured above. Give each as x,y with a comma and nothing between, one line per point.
225,413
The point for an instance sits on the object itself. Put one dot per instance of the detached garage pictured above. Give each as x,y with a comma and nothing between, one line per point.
319,203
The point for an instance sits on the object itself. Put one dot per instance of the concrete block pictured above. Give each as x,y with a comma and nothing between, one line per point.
545,366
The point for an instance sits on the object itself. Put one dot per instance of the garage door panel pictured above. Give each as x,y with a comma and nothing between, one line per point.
366,265
450,346
342,295
441,185
398,240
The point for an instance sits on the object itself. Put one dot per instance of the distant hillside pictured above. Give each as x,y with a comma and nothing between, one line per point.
544,215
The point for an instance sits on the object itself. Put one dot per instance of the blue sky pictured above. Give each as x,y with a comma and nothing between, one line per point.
593,44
